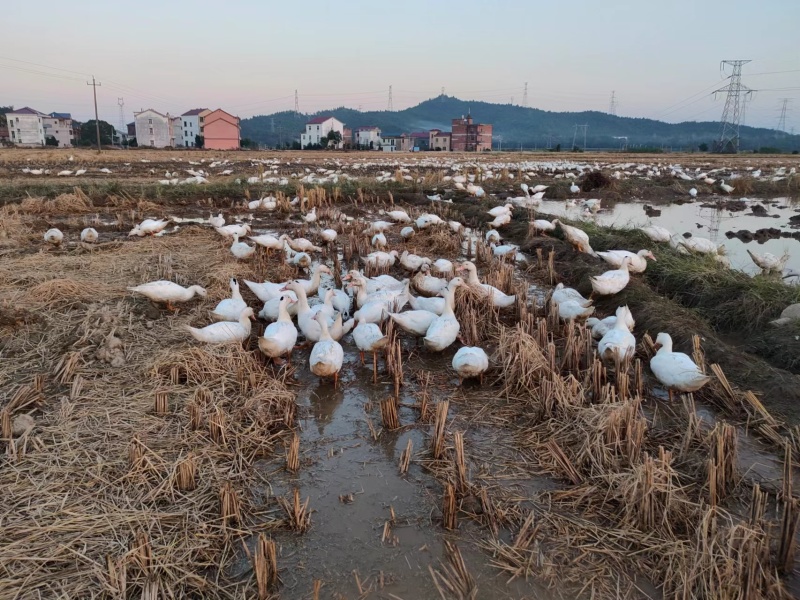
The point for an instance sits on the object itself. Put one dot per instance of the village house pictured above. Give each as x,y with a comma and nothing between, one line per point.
192,124
319,128
390,142
26,127
415,141
221,131
59,126
470,137
439,140
368,137
154,129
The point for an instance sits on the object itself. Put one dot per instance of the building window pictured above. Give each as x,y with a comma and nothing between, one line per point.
152,143
185,124
151,131
149,121
12,134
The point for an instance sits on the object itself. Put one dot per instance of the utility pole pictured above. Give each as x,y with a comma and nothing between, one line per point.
782,118
737,95
94,85
525,96
390,104
121,103
296,105
612,105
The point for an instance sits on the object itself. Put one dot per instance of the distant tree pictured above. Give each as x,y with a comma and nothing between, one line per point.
703,147
199,140
247,143
50,141
89,134
333,136
557,148
295,145
132,143
372,144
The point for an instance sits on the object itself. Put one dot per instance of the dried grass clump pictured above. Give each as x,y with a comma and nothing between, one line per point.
65,291
522,362
77,202
435,241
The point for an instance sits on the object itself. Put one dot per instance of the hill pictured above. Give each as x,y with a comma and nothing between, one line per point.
520,126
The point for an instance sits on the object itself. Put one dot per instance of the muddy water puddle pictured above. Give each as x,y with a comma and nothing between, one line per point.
355,489
713,224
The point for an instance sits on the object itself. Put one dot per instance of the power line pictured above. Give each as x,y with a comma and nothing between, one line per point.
737,95
27,62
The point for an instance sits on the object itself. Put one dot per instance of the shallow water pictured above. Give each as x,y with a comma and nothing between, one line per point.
681,218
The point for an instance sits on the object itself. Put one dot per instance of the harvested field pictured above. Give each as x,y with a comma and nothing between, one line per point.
138,462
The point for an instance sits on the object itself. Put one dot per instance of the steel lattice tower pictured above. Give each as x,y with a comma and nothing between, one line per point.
390,105
612,105
782,118
296,105
525,95
121,104
737,95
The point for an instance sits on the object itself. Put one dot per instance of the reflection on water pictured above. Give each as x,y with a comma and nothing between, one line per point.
704,222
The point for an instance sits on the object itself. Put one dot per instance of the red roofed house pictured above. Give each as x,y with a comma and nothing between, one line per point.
221,131
319,128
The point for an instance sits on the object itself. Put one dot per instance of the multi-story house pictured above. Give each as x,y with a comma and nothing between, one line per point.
368,137
470,137
192,125
439,140
59,126
26,127
221,131
390,142
319,128
153,129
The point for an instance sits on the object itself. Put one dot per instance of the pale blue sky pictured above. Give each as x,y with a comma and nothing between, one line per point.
249,56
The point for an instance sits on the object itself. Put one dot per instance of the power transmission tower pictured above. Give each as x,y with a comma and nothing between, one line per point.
272,124
121,103
782,118
737,95
94,85
296,105
442,94
390,105
512,100
525,95
575,134
612,105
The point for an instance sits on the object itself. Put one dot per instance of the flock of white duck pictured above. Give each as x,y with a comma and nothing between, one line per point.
324,315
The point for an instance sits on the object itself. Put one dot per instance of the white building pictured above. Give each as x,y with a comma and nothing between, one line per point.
153,129
390,143
319,128
368,137
192,123
26,127
177,132
59,126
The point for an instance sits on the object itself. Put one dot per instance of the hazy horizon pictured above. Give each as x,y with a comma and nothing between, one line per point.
248,58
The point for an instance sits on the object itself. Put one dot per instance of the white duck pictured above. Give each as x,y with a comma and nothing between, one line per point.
328,235
656,233
168,292
601,326
306,315
638,261
311,216
675,370
280,337
381,259
54,237
415,322
444,330
725,187
569,310
379,241
434,305
428,220
340,328
469,362
217,221
562,294
442,266
341,301
229,230
229,309
225,331
312,285
407,233
399,216
505,250
149,227
492,236
613,281
427,284
574,189
240,249
501,210
378,283
89,235
499,298
300,244
699,245
327,354
412,262
368,338
543,225
769,263
265,240
618,342
271,310
504,219
577,237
